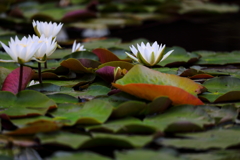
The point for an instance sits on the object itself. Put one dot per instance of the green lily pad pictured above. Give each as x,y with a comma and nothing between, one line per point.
146,154
63,98
179,57
49,88
120,141
25,103
93,91
108,43
76,156
128,125
63,138
180,119
215,155
218,58
82,54
121,64
84,79
138,108
166,70
217,138
3,74
92,112
222,89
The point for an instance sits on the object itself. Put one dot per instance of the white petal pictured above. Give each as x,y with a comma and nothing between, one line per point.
166,55
134,50
146,54
74,46
140,48
131,56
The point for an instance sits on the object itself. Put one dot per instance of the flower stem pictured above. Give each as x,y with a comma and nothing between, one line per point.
20,78
45,64
39,73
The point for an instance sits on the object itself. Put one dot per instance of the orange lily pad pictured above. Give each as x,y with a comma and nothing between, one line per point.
152,91
142,74
36,127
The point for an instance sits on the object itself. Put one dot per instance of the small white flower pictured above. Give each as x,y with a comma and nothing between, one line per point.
47,46
47,29
147,54
77,47
33,83
21,51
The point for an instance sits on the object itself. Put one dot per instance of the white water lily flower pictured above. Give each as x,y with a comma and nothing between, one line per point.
147,54
47,45
21,51
46,29
77,47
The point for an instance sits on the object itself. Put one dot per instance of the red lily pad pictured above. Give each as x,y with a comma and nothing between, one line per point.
152,91
199,76
72,16
11,83
106,73
36,127
80,66
106,56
